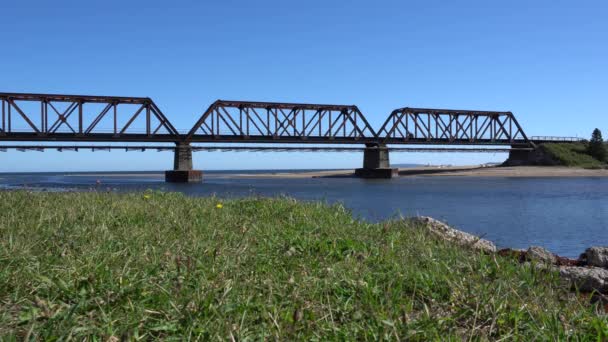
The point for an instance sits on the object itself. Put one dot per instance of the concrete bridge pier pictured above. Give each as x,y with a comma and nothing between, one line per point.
376,163
182,166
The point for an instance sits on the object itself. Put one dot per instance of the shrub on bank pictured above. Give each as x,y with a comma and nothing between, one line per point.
162,265
572,154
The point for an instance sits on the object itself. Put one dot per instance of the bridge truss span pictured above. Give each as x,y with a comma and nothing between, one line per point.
241,121
443,126
48,117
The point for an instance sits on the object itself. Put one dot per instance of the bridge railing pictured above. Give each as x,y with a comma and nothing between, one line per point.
556,139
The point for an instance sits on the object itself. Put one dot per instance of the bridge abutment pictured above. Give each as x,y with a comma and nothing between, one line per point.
538,155
182,166
376,163
519,157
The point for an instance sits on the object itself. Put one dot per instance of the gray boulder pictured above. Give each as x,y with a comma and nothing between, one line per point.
596,256
540,254
444,231
586,279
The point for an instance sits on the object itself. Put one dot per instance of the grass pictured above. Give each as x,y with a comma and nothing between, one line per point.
572,154
110,266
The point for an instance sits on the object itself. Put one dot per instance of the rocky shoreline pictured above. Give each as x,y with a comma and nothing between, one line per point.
588,274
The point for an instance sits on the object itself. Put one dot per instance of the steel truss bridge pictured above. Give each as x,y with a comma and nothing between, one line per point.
43,120
74,118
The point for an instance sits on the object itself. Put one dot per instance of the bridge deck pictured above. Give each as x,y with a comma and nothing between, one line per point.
165,138
251,148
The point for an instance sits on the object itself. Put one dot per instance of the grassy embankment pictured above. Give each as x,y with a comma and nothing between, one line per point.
572,154
165,265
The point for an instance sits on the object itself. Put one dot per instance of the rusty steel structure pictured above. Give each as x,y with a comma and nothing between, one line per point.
78,118
50,117
263,122
444,126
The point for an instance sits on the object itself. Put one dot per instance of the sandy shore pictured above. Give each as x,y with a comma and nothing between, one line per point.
308,174
526,171
461,171
455,171
117,175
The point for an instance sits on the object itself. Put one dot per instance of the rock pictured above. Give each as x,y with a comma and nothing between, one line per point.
595,256
540,254
563,261
515,253
444,231
586,279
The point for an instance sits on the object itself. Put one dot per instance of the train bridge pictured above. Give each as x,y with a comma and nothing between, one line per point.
41,119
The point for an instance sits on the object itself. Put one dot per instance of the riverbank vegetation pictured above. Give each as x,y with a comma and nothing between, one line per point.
571,154
590,154
163,265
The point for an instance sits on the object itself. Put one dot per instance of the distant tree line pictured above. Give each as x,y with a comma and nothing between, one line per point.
597,148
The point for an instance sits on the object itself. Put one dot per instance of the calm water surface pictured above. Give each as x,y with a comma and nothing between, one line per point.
565,215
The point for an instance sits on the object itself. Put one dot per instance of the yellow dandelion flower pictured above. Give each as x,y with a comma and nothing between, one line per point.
219,205
147,196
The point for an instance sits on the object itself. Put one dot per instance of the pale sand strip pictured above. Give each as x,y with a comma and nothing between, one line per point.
460,171
101,174
527,171
306,174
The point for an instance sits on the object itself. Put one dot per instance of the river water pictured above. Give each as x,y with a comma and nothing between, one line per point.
565,215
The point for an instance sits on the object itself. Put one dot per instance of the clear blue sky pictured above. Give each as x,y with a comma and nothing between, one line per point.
546,61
